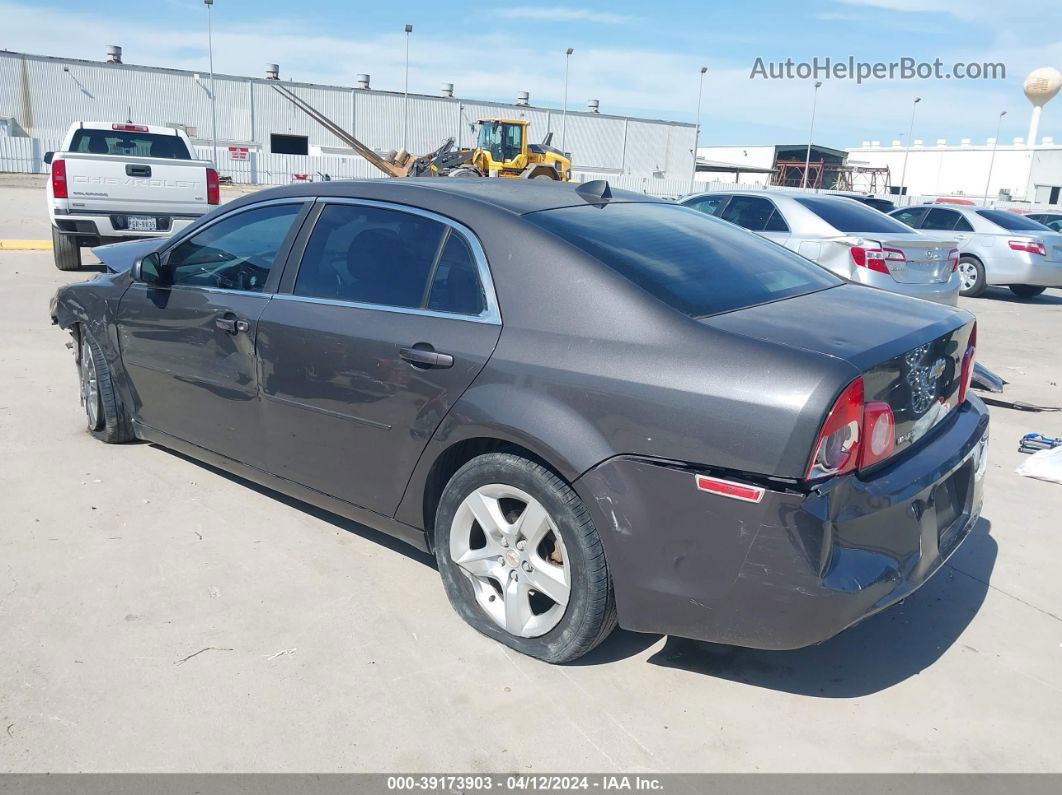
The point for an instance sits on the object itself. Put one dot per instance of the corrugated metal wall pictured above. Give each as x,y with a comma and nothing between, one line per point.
45,95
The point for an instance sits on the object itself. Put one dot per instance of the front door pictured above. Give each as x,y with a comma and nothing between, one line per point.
188,339
389,319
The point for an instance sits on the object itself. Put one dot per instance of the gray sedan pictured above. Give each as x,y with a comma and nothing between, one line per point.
995,247
852,240
592,407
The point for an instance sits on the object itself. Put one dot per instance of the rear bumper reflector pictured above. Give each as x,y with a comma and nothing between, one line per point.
728,488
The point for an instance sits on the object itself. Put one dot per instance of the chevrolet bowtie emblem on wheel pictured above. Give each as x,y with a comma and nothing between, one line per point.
923,379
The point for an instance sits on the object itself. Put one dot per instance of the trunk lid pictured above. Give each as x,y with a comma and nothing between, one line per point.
925,258
908,351
135,184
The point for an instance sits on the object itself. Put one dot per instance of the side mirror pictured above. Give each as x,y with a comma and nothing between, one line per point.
48,156
148,269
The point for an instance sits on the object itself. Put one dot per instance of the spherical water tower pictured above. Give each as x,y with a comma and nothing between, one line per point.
1040,87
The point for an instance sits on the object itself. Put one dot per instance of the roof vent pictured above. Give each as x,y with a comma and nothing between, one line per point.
362,82
593,106
523,98
446,90
272,71
114,53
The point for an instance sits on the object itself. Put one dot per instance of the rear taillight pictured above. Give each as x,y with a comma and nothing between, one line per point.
876,258
129,127
1029,246
213,187
836,451
879,427
967,365
953,258
59,179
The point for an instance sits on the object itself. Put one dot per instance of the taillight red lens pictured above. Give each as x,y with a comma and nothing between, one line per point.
836,451
967,365
213,187
872,258
59,190
879,427
1029,247
953,258
129,127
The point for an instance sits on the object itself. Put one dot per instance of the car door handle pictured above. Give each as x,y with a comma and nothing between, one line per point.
231,325
425,356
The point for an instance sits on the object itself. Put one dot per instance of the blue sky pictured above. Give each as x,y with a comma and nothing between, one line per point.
635,57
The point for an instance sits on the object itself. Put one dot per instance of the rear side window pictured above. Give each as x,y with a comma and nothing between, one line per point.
851,217
941,219
1012,221
696,264
754,213
455,286
129,144
369,255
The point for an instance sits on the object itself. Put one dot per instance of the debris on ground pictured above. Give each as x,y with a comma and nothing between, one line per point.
280,653
196,654
1031,442
1044,465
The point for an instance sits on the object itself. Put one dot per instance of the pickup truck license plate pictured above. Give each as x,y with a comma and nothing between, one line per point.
139,223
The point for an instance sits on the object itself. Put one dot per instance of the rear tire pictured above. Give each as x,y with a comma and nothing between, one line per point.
105,416
464,171
1026,290
65,250
533,574
972,277
543,176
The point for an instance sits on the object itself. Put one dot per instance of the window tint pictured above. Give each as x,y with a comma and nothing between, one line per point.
236,253
1011,221
775,223
690,261
708,204
751,212
456,286
129,144
911,217
963,225
851,217
369,255
940,219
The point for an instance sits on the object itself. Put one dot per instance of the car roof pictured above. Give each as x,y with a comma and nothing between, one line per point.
517,196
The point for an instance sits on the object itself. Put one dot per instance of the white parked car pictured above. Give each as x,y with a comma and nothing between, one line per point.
995,247
113,182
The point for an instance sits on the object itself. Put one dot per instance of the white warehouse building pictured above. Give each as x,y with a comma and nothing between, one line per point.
1020,172
263,138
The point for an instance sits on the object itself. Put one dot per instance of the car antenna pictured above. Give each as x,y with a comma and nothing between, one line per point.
595,189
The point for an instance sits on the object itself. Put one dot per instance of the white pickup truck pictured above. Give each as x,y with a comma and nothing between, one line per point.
113,182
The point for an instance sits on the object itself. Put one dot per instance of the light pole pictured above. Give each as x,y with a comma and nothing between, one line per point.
907,150
992,160
405,106
564,113
811,134
697,130
213,94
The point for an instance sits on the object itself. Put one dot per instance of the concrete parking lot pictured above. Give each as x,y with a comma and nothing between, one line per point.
159,615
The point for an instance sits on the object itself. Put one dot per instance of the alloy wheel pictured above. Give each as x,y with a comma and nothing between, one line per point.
512,553
90,389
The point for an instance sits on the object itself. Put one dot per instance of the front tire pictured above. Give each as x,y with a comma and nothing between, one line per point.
65,251
105,416
1026,290
521,560
971,277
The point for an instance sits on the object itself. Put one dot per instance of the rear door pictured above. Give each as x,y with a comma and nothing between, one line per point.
386,321
188,343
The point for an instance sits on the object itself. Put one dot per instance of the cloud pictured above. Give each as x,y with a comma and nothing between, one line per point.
559,13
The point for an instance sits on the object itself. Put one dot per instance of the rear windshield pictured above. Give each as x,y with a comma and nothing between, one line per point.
852,217
691,261
1011,221
129,144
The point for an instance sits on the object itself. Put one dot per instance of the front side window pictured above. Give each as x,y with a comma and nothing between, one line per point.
375,255
236,253
692,262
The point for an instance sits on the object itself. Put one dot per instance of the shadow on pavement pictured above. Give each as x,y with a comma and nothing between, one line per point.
1049,297
882,651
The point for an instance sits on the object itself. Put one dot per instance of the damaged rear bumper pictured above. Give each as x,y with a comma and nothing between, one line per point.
797,567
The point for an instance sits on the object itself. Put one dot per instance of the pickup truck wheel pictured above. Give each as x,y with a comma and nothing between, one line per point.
1026,290
66,251
521,560
104,414
971,277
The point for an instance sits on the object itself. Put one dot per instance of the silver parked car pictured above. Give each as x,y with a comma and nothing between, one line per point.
1052,220
995,247
846,237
